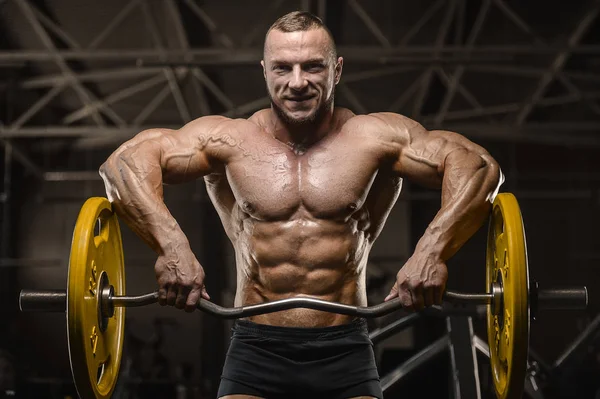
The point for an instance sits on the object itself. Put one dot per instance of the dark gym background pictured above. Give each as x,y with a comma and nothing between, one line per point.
79,77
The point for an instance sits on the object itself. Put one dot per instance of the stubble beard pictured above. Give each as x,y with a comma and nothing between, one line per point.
313,119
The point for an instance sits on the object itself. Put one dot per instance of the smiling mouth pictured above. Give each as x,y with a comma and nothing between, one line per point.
299,99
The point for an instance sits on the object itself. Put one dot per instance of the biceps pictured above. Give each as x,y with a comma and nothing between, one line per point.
424,159
419,169
181,164
173,158
195,150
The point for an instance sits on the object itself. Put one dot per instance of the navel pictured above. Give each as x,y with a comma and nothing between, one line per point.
247,207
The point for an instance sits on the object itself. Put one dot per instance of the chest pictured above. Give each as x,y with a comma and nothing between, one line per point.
333,179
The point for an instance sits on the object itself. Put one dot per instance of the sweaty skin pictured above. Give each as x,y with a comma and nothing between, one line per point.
303,190
303,223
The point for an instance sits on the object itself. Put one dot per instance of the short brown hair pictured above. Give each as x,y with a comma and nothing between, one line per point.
300,21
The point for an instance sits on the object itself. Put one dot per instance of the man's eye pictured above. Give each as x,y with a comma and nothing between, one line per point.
280,68
314,67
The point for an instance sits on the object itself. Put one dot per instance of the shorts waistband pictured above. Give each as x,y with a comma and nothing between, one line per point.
308,333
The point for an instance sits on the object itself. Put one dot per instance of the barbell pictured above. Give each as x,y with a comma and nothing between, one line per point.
95,299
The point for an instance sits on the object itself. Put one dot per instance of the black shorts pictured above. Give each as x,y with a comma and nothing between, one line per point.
283,362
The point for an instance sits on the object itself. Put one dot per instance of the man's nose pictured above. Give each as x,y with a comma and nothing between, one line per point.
298,81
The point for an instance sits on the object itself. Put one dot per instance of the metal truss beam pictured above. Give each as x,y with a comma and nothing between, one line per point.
113,98
408,93
467,95
364,54
262,21
565,50
369,23
154,31
421,22
455,79
82,92
376,73
439,44
103,75
79,175
213,88
514,107
352,98
57,30
37,106
171,7
114,22
98,75
152,105
531,72
23,159
222,37
558,63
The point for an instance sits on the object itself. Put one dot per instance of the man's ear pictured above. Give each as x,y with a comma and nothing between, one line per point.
338,69
262,62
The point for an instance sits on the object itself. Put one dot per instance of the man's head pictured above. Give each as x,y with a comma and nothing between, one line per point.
301,68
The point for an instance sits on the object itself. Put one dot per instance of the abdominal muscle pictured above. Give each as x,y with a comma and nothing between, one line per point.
301,258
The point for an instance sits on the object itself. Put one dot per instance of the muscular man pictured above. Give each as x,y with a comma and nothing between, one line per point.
303,189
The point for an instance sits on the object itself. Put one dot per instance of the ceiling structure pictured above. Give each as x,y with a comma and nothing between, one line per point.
88,75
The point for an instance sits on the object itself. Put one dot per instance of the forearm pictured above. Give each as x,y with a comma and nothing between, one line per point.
470,181
133,181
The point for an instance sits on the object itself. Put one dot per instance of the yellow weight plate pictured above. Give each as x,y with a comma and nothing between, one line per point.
506,264
95,347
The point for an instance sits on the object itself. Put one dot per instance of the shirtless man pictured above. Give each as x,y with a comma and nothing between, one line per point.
303,190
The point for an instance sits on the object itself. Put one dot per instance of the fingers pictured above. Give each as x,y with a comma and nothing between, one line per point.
205,294
429,295
172,294
406,299
419,285
411,295
415,294
192,299
162,295
182,297
438,294
180,281
417,297
393,293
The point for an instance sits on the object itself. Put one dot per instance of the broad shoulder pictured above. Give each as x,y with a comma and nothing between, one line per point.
385,126
260,117
214,125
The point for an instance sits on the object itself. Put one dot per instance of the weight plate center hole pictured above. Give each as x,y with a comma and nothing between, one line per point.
500,306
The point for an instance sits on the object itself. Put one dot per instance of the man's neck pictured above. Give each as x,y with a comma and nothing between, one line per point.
299,137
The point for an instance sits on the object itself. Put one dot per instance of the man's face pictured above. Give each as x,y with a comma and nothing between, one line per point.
301,74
